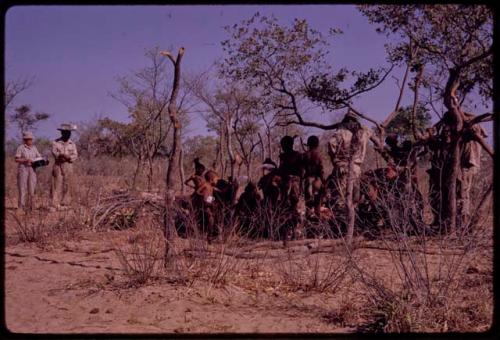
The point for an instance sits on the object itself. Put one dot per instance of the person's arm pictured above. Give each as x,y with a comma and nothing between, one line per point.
20,158
37,153
321,171
190,180
56,151
72,153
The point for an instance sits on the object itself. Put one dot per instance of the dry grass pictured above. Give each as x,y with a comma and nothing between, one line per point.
411,282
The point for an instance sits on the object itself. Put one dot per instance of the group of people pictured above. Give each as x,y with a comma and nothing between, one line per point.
297,190
29,160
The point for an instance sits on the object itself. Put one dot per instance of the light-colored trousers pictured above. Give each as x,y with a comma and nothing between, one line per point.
464,189
62,184
26,183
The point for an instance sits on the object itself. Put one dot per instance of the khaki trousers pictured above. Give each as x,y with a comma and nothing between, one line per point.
26,183
464,185
62,185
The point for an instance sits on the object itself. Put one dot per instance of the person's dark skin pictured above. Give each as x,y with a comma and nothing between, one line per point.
65,136
290,160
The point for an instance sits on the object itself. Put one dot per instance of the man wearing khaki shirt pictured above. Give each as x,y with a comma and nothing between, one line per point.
349,141
65,154
26,176
470,164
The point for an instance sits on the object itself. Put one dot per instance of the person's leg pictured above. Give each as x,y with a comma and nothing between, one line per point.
68,184
22,186
31,188
465,186
56,186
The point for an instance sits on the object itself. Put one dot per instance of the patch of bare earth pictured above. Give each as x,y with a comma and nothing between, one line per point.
78,284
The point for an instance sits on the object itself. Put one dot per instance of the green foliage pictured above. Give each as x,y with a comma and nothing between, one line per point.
444,36
402,122
25,119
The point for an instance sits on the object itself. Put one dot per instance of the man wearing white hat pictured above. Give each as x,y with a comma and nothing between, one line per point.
26,176
64,151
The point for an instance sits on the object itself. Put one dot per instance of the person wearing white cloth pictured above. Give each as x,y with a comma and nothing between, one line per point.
26,175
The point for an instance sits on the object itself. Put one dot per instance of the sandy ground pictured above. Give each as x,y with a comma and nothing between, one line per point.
77,285
79,288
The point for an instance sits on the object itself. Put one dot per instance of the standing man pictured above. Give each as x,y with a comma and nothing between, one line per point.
64,151
291,171
313,176
348,142
470,164
26,176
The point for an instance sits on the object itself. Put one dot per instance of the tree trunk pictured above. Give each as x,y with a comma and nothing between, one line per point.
450,210
181,169
173,161
418,80
456,125
229,147
136,172
350,211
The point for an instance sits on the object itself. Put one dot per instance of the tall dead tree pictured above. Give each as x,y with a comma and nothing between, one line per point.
173,160
175,157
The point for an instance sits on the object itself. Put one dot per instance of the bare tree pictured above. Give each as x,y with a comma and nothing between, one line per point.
173,112
145,95
14,88
25,119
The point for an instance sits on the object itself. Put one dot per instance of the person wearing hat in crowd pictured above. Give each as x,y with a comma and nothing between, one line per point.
313,175
65,154
270,183
26,175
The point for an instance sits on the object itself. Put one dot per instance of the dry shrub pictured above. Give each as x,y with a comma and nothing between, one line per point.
141,257
429,269
31,226
213,263
313,272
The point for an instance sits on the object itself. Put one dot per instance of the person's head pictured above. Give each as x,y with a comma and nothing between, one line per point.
250,188
313,142
317,184
199,168
222,184
211,177
268,165
287,143
66,131
28,138
407,145
392,140
350,121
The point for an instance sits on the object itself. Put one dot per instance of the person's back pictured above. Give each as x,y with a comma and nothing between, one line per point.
313,166
290,160
291,164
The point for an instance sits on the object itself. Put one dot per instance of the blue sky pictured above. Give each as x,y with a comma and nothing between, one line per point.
75,53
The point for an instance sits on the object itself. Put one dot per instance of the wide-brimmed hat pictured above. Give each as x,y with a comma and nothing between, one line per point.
27,135
269,164
67,127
